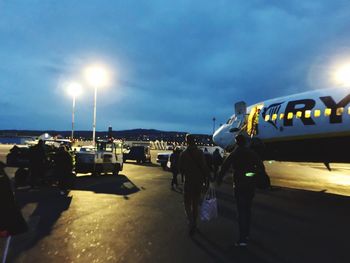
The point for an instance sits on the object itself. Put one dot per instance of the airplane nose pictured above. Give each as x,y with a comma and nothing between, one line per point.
223,137
217,137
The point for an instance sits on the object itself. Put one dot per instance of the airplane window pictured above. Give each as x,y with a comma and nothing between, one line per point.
308,114
290,115
317,113
327,112
267,117
274,116
299,113
282,115
340,111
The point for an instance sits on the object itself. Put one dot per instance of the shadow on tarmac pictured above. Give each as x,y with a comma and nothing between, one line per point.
221,254
291,225
106,184
49,207
142,164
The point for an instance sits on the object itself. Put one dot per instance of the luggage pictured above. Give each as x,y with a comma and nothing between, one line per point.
209,208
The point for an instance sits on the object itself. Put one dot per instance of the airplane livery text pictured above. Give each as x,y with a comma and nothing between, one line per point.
304,105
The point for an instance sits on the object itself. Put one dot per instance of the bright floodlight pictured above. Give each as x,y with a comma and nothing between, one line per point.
97,76
342,75
74,89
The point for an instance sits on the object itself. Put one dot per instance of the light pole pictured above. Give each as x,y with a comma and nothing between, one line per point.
74,89
97,77
214,119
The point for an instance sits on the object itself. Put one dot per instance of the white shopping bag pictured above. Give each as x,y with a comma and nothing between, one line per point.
209,208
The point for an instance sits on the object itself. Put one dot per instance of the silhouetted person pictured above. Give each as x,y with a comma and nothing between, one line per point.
63,169
37,163
217,161
245,163
193,165
11,219
208,158
174,161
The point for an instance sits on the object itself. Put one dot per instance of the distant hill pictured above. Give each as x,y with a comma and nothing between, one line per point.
134,134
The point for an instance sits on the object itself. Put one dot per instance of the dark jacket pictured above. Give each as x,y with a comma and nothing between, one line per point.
11,219
193,165
245,163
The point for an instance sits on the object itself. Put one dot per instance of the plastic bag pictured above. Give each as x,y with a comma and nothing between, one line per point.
209,208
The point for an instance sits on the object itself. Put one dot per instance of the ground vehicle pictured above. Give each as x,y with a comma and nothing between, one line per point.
140,154
106,157
162,159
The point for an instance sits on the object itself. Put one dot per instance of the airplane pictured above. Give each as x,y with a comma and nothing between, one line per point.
313,126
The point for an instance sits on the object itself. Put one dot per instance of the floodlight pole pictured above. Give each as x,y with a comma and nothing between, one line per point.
94,123
73,112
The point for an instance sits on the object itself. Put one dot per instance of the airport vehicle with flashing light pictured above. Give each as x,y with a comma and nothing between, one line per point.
105,157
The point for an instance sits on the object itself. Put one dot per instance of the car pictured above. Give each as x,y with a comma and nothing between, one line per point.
140,154
162,159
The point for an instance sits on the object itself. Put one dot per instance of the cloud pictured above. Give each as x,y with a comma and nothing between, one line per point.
175,64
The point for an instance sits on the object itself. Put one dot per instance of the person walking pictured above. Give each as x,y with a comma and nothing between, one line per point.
193,165
37,163
63,169
11,219
245,163
174,159
217,161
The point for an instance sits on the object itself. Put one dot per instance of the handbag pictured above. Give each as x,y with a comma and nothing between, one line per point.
209,208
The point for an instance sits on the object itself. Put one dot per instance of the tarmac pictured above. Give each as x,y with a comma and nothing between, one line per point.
136,217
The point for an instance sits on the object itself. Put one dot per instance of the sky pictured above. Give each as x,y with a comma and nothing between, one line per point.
173,65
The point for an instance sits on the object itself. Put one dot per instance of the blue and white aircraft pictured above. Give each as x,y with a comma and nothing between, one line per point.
308,127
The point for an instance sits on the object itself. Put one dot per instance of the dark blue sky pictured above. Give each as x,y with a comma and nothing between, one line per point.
175,64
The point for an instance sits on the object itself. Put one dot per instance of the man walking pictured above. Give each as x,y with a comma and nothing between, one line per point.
174,159
245,163
37,163
193,165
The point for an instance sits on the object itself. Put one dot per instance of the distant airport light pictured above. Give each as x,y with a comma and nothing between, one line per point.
342,75
74,89
97,76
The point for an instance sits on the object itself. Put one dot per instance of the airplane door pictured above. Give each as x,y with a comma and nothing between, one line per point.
253,121
240,113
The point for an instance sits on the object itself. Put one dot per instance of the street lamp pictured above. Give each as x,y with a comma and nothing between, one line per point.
342,75
74,89
97,76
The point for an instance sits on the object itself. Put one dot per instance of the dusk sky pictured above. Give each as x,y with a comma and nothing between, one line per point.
174,64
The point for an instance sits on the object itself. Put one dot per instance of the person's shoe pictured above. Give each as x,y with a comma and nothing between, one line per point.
241,244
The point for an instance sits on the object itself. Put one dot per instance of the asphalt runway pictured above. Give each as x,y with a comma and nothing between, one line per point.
135,217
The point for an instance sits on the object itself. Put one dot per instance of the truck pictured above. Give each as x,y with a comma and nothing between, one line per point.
138,153
105,157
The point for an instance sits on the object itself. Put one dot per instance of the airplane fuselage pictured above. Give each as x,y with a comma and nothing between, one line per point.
311,126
